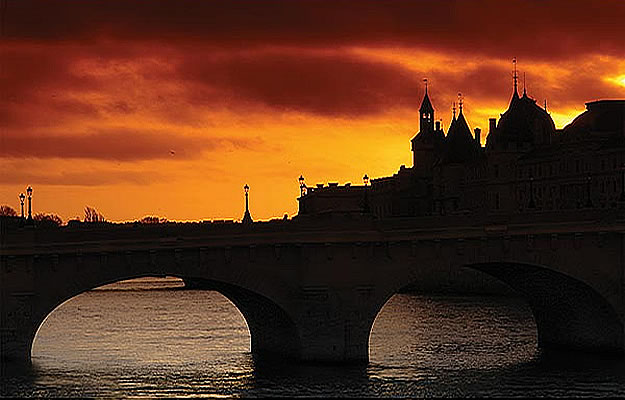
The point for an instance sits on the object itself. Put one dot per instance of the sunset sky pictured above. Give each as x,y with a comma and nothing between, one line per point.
169,107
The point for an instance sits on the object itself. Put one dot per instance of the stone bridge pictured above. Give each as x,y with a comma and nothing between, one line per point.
311,289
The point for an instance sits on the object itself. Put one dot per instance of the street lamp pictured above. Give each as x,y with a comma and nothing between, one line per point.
365,179
302,186
22,197
247,218
29,192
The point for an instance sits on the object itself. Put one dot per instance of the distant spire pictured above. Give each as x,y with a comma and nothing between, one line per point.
545,104
454,109
515,77
425,80
460,102
524,91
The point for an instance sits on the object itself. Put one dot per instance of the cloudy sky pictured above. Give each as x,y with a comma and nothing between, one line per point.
168,108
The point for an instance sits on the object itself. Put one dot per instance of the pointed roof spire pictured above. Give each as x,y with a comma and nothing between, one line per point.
515,77
454,110
460,102
426,104
524,90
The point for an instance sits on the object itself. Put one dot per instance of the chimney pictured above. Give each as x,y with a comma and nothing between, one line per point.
478,136
492,124
438,125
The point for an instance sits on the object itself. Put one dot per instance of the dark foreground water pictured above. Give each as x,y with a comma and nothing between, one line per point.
126,341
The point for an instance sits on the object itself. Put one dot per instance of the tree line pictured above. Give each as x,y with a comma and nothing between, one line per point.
91,215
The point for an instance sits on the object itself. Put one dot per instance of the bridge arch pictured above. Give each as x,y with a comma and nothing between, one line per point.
569,314
272,330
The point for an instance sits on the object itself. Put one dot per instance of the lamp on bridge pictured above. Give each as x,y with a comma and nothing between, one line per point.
22,197
302,186
247,218
365,180
302,192
29,192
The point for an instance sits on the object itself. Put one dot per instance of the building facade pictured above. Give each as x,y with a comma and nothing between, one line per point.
526,165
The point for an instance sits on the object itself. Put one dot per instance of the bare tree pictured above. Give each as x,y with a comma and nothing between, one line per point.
92,215
152,220
47,220
7,211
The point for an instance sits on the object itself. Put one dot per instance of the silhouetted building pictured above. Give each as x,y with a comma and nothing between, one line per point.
526,165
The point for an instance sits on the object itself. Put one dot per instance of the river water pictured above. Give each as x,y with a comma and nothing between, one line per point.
150,338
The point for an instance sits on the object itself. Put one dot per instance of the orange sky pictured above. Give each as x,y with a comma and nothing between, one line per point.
169,107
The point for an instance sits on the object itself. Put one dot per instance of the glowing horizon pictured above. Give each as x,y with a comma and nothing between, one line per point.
146,111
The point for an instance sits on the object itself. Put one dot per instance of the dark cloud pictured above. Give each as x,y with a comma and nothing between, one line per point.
540,29
81,178
121,145
322,84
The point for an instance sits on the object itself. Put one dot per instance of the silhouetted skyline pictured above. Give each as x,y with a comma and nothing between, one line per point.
171,106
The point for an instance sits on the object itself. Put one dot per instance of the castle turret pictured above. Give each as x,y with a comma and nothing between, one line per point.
427,144
426,113
460,145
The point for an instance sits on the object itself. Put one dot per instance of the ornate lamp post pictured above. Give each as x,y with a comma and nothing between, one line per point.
302,191
302,186
531,203
22,197
588,201
365,180
29,192
247,218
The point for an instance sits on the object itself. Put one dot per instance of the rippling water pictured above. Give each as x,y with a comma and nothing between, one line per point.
126,341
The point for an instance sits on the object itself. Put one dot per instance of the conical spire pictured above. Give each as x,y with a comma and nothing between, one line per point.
524,86
515,78
460,145
426,104
426,112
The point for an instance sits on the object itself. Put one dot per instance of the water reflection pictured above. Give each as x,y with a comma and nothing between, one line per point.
124,342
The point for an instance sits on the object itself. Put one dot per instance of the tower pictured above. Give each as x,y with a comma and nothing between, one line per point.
426,112
427,144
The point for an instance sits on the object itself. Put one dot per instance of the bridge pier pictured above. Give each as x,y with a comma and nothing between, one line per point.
334,341
18,329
